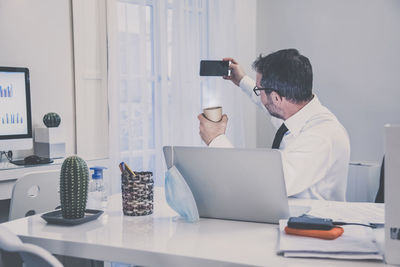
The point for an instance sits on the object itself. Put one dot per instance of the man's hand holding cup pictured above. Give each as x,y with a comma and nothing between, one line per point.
212,123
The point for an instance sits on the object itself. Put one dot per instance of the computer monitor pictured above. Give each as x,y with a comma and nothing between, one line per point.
15,109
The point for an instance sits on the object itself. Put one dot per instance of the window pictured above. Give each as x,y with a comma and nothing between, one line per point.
146,36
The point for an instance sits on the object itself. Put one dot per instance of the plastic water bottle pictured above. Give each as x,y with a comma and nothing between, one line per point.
97,197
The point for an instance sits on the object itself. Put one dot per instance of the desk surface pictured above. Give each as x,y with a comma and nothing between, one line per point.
162,239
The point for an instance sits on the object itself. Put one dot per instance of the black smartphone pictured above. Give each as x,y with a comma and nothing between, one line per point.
304,222
214,68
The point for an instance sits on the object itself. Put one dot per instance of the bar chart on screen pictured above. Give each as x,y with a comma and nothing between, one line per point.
12,118
6,91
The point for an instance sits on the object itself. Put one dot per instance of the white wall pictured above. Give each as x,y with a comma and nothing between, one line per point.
37,34
354,47
90,65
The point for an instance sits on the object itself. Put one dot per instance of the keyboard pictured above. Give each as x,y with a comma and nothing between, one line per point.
40,162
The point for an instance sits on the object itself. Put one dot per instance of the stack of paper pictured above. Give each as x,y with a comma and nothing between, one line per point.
357,242
350,212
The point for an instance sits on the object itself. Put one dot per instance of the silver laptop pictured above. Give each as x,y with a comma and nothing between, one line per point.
234,184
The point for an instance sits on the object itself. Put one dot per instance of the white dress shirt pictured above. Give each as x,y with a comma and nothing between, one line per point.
315,150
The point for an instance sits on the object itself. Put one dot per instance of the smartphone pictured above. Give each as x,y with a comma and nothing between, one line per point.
304,222
214,68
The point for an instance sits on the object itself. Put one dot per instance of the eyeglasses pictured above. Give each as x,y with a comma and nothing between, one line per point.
257,90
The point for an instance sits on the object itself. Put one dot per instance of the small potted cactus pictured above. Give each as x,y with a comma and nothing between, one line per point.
51,120
74,179
50,140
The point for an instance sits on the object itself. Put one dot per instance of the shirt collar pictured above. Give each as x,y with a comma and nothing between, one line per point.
296,122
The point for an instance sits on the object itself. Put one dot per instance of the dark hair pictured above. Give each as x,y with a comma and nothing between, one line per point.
287,72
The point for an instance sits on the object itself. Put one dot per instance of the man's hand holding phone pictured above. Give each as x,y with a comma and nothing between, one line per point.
228,68
237,72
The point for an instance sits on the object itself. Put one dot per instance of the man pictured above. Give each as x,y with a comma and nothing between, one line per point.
315,147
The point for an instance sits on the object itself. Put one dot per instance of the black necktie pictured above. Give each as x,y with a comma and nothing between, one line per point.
279,135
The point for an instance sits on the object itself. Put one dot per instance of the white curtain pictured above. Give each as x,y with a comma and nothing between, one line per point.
232,33
188,47
178,34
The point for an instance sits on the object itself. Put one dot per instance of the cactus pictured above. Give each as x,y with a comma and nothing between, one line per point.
51,119
73,187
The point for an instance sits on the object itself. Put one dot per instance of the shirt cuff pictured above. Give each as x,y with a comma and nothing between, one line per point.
221,141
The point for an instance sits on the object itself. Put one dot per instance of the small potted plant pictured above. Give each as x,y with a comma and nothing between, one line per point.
74,179
51,120
50,140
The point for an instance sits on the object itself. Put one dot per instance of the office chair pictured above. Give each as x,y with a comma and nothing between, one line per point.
32,255
35,192
380,196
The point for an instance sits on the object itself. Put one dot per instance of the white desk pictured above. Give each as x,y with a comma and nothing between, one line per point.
163,240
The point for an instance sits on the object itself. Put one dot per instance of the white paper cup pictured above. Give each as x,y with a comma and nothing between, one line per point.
213,113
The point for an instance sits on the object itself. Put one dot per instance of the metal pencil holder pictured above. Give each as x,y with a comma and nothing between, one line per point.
137,193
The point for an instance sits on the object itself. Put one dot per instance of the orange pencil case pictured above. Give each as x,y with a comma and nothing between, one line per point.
334,233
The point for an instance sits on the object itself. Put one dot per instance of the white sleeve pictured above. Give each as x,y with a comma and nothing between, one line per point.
306,162
221,141
247,84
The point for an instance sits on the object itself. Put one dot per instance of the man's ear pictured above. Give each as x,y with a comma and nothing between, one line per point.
276,98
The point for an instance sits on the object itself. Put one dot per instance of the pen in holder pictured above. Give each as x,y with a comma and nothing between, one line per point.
137,193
